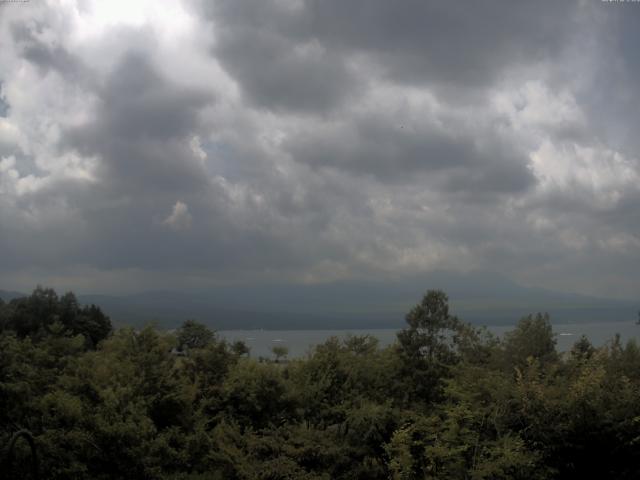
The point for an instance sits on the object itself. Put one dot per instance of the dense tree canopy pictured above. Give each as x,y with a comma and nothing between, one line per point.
193,335
43,313
446,401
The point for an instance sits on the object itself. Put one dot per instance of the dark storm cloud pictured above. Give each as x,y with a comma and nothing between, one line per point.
264,46
294,54
396,150
141,131
317,140
610,94
141,128
429,41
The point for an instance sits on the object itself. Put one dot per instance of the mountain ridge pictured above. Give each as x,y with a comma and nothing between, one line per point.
480,298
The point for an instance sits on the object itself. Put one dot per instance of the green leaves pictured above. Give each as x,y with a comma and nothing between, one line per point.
193,335
458,443
533,337
447,401
43,313
427,347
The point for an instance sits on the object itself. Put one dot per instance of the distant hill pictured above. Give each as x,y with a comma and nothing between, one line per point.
480,298
8,295
169,310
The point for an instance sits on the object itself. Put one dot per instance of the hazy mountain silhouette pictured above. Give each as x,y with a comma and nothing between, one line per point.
8,295
480,298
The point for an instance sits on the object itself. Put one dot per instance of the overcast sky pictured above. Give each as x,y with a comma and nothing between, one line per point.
184,144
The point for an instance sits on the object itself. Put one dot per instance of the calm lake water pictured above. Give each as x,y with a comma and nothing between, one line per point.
300,342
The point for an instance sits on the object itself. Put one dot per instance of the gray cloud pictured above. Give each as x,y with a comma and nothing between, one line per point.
314,141
141,129
48,56
424,42
4,104
265,47
294,55
447,157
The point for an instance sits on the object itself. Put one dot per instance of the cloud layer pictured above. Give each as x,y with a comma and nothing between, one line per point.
235,141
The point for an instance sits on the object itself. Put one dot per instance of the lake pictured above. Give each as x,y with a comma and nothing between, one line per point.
300,342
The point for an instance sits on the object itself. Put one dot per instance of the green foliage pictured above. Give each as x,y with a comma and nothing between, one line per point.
240,348
427,346
255,395
447,401
36,315
280,351
582,349
193,335
533,337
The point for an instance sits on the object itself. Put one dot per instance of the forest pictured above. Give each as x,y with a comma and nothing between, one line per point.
447,400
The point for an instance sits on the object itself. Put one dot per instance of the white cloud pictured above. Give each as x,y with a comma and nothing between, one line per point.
604,174
180,218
